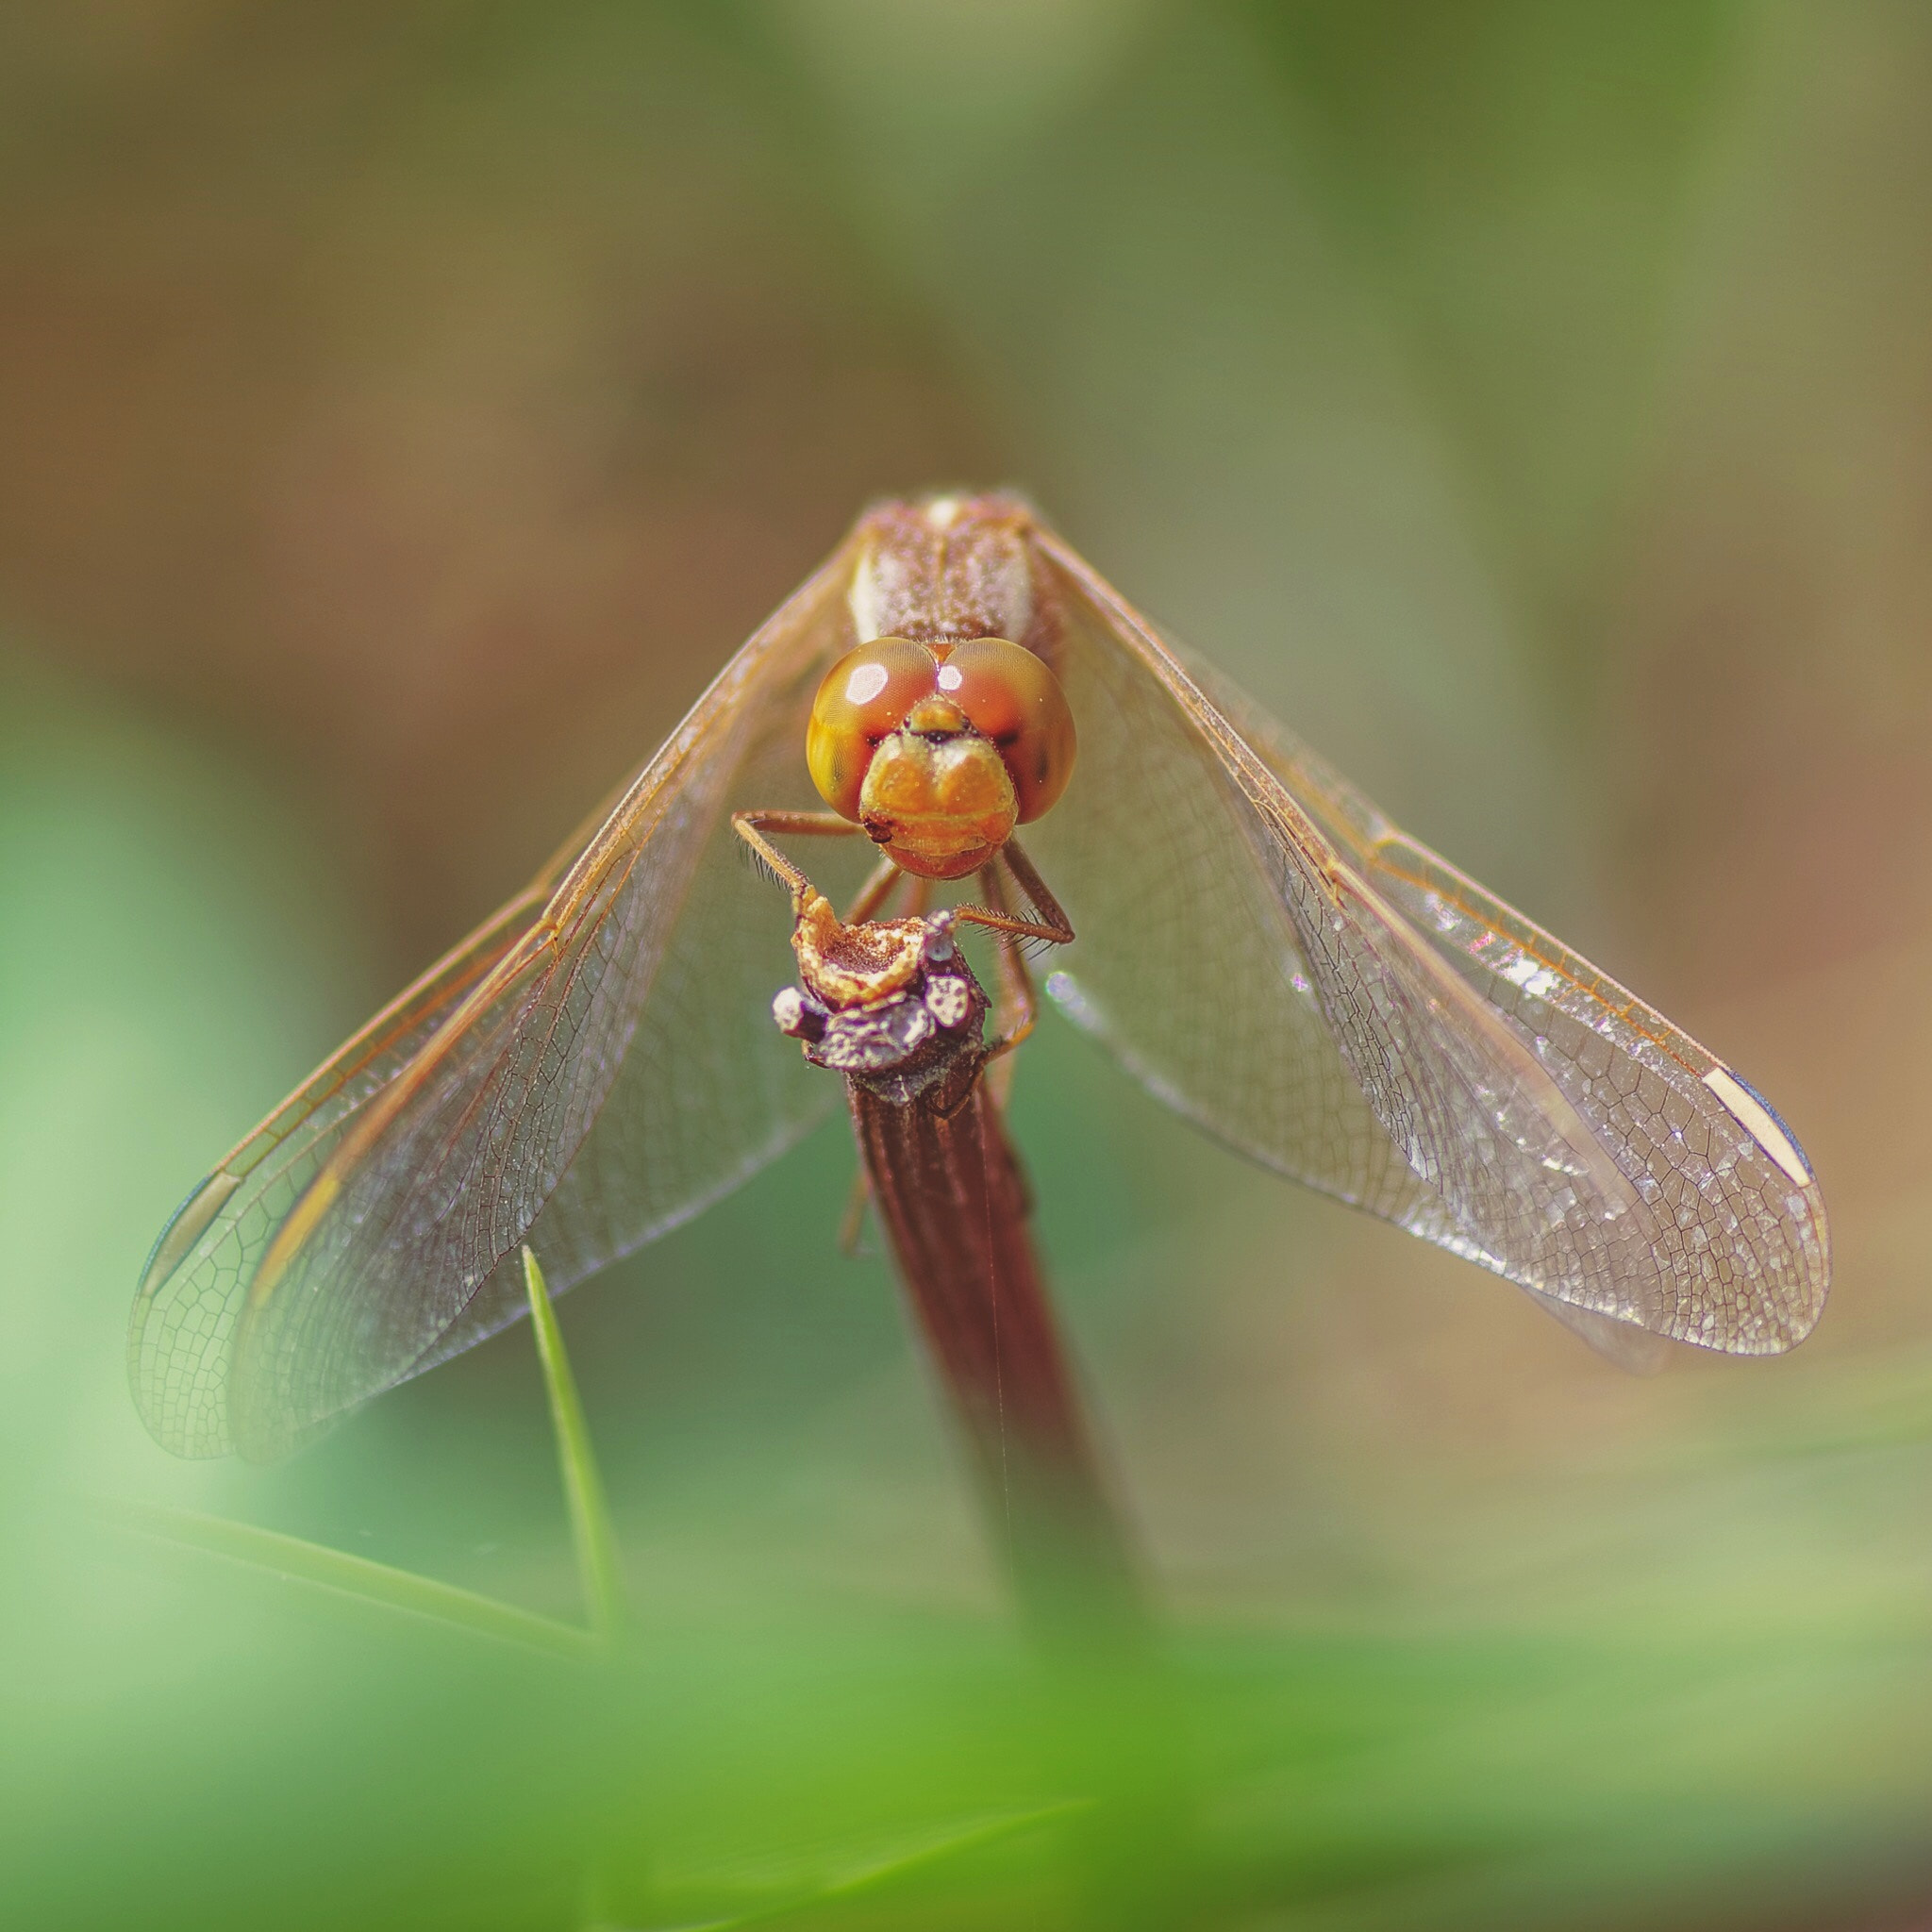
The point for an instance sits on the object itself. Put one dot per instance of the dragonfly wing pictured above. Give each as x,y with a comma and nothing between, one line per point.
1187,964
1745,1240
1638,1350
708,1090
1543,1121
350,1234
181,1333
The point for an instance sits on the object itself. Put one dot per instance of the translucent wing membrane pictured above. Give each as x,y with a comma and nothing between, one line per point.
590,1067
181,1339
1257,943
1284,966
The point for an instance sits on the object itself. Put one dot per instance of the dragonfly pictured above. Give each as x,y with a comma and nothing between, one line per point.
1252,940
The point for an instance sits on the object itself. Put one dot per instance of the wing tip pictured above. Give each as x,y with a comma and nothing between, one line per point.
183,1228
1762,1122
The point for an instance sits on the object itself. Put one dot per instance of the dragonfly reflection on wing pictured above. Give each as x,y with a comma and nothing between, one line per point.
1256,942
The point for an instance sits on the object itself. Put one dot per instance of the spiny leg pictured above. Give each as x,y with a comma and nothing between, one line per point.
1015,1008
1018,1006
875,893
752,826
1051,924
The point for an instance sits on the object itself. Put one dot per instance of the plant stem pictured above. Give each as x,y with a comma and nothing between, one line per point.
954,1207
583,1492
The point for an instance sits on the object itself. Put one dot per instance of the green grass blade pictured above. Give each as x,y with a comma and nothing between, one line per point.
590,1521
884,1874
377,1584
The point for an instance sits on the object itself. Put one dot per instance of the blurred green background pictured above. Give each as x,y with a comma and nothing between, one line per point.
404,409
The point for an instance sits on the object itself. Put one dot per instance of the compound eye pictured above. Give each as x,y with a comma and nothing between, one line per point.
1010,696
864,698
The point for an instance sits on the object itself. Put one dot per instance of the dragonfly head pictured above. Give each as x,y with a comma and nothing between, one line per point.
939,750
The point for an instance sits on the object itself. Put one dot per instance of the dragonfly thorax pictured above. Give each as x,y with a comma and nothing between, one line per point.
945,568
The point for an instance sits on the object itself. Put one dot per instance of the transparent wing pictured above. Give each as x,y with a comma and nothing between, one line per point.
590,1067
181,1333
709,1090
1282,964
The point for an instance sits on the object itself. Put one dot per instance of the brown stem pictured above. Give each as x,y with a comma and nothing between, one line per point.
953,1203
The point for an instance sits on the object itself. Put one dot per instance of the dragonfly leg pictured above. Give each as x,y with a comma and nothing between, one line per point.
1051,924
875,893
752,826
1019,1005
852,1222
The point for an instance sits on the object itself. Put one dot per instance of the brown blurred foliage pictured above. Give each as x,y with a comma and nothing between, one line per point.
431,422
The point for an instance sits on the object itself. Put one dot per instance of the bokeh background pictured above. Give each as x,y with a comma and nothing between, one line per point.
404,409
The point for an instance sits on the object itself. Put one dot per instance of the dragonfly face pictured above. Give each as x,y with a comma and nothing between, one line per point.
1259,945
940,749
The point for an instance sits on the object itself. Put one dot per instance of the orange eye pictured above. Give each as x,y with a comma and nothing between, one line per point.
864,697
1010,696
